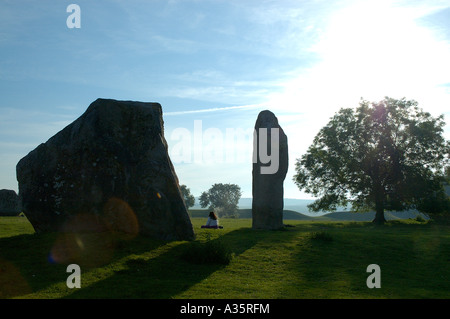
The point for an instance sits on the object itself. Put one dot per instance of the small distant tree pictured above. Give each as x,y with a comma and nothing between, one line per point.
388,155
189,199
222,198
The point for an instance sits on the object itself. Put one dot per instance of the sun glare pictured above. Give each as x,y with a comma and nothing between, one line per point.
371,49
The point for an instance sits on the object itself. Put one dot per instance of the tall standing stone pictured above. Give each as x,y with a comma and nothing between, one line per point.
270,165
108,170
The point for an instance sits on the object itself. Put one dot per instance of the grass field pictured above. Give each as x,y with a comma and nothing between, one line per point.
307,260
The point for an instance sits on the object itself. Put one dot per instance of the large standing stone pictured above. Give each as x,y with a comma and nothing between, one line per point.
9,203
270,165
108,170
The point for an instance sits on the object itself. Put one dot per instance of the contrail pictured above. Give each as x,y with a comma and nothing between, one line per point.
215,109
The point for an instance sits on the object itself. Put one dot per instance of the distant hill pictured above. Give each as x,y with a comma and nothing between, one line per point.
247,213
290,204
296,209
369,216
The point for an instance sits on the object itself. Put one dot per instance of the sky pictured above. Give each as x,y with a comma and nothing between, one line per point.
213,65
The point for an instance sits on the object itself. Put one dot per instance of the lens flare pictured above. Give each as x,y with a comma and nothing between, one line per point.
119,217
90,249
12,283
89,239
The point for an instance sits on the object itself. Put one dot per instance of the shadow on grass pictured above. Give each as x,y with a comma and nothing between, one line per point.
413,259
168,274
30,263
330,262
33,263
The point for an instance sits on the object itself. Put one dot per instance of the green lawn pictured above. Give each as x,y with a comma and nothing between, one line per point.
308,260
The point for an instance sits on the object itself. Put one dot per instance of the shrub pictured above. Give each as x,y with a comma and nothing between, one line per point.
222,212
209,252
420,219
322,235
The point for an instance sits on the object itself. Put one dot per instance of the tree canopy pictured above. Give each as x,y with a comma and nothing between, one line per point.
189,199
387,155
223,198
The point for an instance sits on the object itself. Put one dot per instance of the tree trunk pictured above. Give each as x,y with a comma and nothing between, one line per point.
379,214
379,203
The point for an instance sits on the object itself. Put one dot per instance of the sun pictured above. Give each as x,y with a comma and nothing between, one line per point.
371,49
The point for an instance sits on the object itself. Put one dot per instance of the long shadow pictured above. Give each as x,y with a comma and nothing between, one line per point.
335,266
30,263
168,275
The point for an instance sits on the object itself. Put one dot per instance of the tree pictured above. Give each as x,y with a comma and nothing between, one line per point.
438,203
223,198
189,199
447,175
388,155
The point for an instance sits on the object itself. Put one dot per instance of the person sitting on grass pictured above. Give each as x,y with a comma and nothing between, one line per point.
212,222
